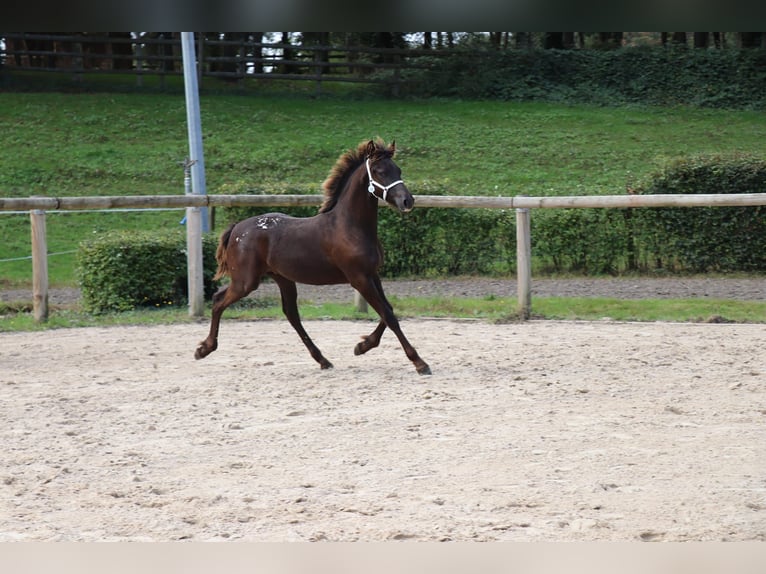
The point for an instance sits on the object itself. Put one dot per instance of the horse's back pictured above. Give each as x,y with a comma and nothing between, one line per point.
265,221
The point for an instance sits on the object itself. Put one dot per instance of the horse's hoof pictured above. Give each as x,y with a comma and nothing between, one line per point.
424,370
363,346
203,351
326,365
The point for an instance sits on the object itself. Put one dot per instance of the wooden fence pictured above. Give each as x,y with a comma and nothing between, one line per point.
522,204
157,54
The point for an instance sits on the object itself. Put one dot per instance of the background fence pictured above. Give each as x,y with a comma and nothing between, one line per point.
193,203
246,57
716,69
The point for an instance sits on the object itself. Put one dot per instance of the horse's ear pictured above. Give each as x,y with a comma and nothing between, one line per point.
371,149
392,148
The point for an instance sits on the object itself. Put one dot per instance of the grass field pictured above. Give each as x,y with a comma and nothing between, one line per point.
493,309
112,144
117,144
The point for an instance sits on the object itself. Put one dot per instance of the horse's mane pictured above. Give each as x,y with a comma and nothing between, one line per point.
345,166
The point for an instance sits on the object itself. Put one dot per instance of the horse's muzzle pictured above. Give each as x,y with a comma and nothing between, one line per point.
405,203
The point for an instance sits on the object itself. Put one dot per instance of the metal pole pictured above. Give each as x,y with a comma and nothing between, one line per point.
193,121
196,218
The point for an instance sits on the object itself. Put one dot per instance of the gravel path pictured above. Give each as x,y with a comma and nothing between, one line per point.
744,289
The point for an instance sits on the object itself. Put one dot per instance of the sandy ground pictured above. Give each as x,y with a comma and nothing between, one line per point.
556,431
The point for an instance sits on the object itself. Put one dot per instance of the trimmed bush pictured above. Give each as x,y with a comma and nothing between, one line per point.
120,271
589,241
700,239
447,241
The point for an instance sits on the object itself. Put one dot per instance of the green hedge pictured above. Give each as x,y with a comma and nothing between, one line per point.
447,241
583,241
680,239
657,76
703,239
119,271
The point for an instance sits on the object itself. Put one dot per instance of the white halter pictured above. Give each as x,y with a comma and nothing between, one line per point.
373,184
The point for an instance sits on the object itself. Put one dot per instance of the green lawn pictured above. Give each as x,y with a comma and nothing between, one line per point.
491,309
115,144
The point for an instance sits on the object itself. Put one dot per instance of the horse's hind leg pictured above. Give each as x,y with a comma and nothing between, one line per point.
290,308
224,297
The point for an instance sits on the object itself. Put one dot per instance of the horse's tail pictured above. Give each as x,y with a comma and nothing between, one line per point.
220,253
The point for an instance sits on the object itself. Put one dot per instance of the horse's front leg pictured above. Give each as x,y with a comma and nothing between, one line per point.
370,341
373,339
372,290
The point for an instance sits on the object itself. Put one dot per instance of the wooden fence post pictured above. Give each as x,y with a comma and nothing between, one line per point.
318,70
360,303
524,262
194,262
139,64
39,266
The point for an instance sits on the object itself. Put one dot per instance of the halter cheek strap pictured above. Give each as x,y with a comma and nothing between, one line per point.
373,184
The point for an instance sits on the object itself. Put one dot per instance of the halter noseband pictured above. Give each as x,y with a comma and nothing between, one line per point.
373,184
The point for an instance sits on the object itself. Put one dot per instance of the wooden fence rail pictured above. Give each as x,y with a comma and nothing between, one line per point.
522,204
466,201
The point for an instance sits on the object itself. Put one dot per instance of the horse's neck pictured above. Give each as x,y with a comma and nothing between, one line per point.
358,207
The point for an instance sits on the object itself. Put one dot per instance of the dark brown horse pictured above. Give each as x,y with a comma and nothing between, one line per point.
338,245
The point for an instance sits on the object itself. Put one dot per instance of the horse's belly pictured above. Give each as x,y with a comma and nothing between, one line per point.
304,264
325,279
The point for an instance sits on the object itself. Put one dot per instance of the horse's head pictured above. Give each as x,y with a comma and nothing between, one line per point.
385,177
